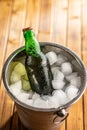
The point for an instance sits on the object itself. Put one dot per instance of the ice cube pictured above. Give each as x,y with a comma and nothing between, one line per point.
23,96
54,69
71,92
58,84
52,57
16,88
44,60
40,103
29,102
45,97
35,96
31,94
66,68
14,77
61,96
71,76
53,102
61,59
58,75
76,81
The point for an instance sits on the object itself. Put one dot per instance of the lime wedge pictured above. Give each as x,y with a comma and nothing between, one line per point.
18,71
14,77
25,83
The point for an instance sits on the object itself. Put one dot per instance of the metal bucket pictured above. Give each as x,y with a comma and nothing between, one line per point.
44,119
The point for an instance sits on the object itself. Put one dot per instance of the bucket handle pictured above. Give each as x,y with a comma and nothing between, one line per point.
61,115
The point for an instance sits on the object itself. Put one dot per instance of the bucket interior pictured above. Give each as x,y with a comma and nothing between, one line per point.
19,55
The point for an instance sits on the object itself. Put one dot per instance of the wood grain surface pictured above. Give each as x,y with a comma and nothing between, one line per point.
59,21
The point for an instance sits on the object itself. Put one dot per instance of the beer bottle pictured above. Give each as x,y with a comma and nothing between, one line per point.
37,65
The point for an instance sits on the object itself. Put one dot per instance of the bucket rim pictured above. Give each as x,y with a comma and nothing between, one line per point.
65,106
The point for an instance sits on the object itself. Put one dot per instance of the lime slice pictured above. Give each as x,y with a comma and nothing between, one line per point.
14,77
25,83
13,64
25,77
18,71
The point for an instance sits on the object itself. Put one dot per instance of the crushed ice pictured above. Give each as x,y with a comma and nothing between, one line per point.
66,84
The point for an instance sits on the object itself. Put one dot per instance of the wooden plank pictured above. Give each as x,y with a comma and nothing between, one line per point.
74,26
5,15
84,32
6,113
75,119
15,34
59,21
53,21
15,37
56,33
32,16
85,108
45,20
84,54
13,43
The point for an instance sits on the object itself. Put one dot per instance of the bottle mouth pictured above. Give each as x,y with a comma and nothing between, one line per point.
29,28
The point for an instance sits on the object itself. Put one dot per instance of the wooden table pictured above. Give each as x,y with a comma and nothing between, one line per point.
60,21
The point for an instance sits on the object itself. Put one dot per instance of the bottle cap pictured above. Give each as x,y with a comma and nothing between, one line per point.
26,29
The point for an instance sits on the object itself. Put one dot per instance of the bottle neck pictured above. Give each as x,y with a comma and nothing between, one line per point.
28,34
32,46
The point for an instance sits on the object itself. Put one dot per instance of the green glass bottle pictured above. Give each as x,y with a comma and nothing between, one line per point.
37,65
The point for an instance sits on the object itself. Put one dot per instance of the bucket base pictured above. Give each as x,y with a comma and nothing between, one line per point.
36,120
45,128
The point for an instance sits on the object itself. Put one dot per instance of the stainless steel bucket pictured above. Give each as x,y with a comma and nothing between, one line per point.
44,119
